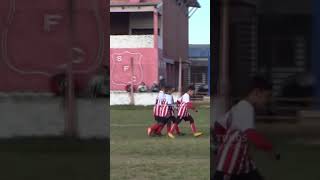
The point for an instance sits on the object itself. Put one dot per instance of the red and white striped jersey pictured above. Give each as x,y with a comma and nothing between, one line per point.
166,105
233,156
183,105
157,106
171,107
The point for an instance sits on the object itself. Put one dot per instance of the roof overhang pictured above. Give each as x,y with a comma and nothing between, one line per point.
169,61
192,3
140,7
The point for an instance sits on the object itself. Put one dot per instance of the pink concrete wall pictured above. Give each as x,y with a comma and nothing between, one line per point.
35,41
145,63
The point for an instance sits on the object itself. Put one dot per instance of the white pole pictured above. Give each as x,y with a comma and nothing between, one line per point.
131,91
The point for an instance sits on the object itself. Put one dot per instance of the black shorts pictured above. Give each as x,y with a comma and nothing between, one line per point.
162,120
171,119
253,175
156,118
187,118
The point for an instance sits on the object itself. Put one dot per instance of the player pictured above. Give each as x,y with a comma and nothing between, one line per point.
237,129
184,104
156,112
167,105
170,114
172,117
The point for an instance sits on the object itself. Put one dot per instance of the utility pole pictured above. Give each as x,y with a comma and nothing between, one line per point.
223,90
70,120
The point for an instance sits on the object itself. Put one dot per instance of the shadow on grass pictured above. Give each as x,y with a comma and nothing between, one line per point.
54,144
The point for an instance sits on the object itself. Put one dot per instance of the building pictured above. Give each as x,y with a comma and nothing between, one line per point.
267,38
37,41
199,55
34,52
148,40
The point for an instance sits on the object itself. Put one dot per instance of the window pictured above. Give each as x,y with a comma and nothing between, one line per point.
119,23
143,31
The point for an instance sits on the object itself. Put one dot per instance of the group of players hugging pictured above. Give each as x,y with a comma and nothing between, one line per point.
165,110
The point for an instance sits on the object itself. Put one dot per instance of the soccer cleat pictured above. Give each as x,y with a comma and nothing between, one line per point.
149,131
197,134
171,135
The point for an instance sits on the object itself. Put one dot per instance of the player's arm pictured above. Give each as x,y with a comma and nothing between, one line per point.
262,143
190,105
258,140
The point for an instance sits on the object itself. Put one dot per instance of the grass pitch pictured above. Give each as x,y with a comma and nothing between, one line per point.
53,158
136,156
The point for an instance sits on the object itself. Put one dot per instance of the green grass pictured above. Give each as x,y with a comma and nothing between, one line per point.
299,160
136,156
53,158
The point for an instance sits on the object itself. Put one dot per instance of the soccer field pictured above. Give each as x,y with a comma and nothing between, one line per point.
53,159
136,156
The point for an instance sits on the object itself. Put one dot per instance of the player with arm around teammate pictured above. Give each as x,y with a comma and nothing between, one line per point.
171,114
167,110
184,105
233,160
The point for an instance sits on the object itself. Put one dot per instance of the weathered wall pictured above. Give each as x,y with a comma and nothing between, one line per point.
36,41
131,41
44,115
142,99
175,36
175,31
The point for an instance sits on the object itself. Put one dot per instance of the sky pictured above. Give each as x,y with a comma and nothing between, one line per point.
199,24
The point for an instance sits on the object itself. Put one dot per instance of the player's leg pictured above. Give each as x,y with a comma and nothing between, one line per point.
193,126
176,129
169,123
162,122
173,127
153,128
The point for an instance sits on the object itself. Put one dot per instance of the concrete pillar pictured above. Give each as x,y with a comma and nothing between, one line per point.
155,40
155,28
